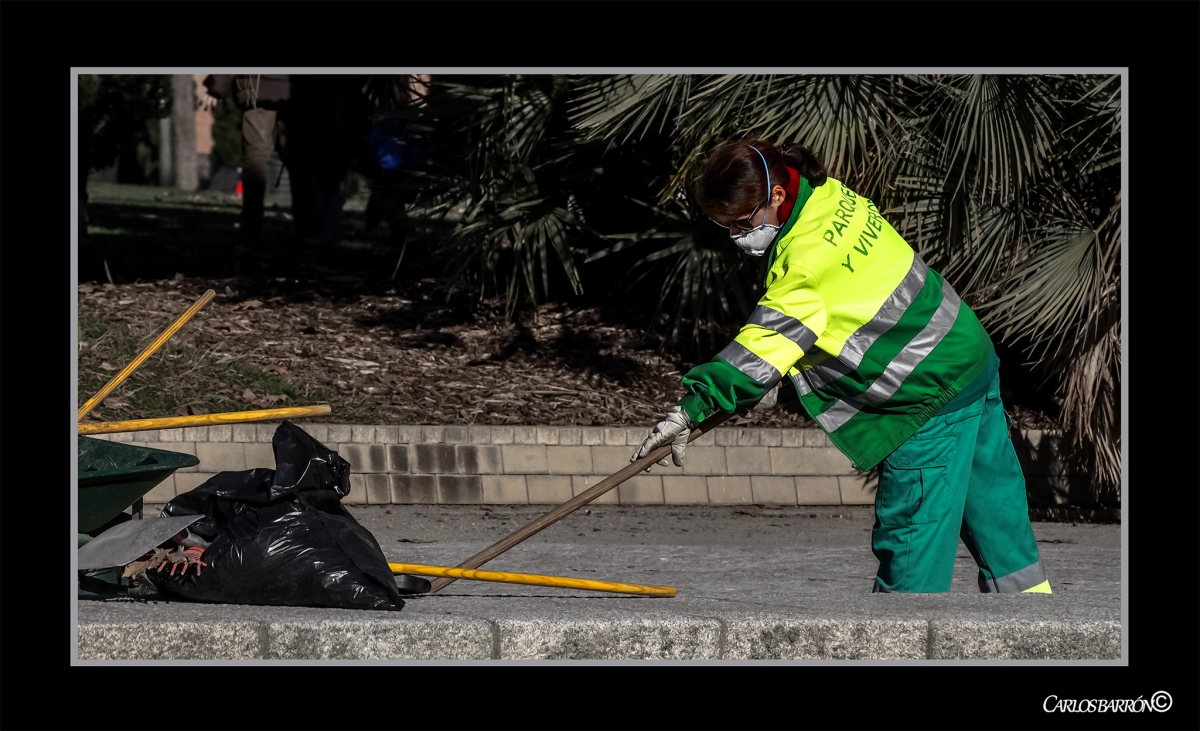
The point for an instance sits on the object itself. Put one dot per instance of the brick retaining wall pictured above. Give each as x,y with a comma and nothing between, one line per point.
550,464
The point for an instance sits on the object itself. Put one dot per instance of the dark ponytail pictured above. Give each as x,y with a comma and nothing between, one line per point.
733,180
804,161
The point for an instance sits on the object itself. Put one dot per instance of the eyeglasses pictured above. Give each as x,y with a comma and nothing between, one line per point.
742,224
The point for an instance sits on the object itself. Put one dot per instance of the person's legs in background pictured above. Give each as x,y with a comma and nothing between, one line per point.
996,527
329,200
258,140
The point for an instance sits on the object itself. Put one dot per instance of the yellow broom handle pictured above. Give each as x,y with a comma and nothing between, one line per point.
506,577
178,422
133,366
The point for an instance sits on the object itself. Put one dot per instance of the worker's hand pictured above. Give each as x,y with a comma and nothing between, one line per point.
674,430
207,101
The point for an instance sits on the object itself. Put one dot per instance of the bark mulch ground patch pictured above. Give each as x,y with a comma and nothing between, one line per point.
399,355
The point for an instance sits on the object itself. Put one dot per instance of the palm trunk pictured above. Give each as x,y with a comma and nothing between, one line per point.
183,132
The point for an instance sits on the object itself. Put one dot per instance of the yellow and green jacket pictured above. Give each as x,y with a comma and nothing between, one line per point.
874,341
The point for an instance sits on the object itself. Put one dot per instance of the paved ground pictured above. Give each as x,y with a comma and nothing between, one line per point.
701,525
753,583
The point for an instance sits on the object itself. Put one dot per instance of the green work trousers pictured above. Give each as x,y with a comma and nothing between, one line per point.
957,477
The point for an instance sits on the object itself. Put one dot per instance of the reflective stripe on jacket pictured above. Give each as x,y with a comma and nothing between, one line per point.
874,341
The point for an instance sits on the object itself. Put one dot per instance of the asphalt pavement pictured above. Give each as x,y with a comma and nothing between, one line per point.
752,582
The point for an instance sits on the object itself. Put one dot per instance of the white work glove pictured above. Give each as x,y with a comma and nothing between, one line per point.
769,400
674,430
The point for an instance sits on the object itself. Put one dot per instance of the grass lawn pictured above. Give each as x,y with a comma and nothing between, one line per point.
149,233
177,380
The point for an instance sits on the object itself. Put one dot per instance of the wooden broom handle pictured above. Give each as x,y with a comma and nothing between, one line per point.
573,504
133,366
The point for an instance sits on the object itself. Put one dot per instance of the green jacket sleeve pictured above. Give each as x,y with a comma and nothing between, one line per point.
717,387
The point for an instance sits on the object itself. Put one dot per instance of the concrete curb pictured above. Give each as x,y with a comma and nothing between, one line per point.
129,632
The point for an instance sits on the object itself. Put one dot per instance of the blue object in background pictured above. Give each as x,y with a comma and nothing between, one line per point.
389,148
386,143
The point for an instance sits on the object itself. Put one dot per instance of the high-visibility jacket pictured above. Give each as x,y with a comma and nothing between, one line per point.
874,341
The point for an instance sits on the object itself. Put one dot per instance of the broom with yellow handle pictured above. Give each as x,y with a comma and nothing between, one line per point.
178,422
507,577
118,379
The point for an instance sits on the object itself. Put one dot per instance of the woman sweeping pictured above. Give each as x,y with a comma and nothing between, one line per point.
884,356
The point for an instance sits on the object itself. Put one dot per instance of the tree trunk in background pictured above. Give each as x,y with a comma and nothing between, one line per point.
166,154
183,132
83,167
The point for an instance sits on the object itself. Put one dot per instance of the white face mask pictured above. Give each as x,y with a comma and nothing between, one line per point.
755,242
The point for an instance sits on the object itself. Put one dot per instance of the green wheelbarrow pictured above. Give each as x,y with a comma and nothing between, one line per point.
114,476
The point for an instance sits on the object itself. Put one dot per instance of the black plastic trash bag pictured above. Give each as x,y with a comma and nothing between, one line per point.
281,536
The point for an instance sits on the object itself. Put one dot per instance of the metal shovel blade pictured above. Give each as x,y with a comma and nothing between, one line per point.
125,542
